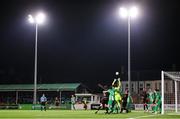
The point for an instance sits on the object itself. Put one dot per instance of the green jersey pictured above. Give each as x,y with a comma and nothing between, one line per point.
151,97
129,100
158,97
111,93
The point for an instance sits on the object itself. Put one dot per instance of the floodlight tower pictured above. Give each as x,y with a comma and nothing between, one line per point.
129,13
37,20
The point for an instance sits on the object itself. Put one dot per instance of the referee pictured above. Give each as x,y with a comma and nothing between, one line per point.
43,101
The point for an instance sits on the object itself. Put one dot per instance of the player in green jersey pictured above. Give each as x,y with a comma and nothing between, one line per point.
111,99
151,99
157,101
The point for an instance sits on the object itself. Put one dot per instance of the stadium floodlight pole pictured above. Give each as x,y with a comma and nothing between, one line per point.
176,101
39,19
162,93
129,13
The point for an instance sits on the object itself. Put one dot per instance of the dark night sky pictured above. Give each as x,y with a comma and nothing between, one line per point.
85,40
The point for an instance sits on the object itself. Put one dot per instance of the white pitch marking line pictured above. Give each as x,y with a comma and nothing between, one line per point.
141,117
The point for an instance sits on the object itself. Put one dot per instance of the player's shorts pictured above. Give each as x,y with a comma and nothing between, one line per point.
57,103
110,102
159,102
118,97
124,104
85,106
43,103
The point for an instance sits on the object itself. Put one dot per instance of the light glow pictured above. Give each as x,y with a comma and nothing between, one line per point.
31,19
123,12
38,19
132,12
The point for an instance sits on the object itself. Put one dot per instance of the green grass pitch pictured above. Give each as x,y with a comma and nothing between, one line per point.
77,114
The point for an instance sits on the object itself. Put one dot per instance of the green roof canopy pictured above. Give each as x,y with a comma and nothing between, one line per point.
40,87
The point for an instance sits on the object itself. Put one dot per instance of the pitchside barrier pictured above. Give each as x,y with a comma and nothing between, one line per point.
35,107
61,107
167,106
52,107
9,106
68,107
38,107
96,106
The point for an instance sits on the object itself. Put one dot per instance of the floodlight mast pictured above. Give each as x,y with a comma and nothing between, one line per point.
130,13
39,19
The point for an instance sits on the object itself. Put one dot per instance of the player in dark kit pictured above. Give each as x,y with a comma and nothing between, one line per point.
145,101
56,102
124,103
104,102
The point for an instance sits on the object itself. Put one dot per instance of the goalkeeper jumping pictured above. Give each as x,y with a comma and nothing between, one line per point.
117,93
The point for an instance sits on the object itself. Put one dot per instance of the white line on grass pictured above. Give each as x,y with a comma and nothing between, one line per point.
141,117
173,114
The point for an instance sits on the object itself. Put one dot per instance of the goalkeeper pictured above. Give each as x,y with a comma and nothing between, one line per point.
117,88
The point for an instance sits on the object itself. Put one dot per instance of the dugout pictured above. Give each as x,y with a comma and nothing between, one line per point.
23,93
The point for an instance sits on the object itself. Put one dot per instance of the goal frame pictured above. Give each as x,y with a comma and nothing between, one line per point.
175,79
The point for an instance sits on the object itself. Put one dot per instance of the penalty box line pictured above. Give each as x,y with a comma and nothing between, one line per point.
142,116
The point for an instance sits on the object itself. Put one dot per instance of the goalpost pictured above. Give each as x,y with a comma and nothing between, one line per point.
170,89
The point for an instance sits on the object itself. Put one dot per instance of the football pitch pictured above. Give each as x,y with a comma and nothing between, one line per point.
68,114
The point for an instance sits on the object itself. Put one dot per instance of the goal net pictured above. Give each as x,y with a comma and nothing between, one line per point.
170,89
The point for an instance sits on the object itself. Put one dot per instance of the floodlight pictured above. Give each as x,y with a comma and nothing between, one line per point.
133,12
123,12
40,18
31,19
